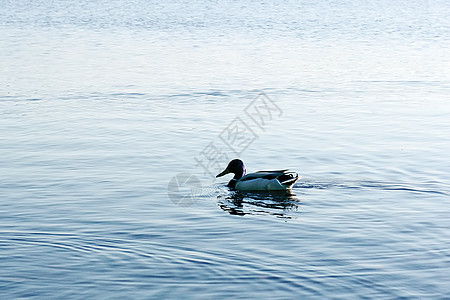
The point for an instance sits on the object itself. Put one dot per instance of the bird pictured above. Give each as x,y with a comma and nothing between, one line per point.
279,180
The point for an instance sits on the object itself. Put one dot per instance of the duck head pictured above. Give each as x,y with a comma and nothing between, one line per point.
236,166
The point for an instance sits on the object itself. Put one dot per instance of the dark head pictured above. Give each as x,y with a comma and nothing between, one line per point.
236,166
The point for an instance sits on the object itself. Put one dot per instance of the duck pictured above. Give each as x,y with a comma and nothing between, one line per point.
279,180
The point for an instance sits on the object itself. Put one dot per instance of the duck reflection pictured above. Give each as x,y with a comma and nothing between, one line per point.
276,203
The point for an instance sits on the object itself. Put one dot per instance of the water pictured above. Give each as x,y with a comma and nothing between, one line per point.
103,103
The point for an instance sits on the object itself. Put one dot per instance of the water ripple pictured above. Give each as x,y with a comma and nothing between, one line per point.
146,258
378,185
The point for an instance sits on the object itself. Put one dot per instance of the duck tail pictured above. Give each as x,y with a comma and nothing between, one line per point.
288,178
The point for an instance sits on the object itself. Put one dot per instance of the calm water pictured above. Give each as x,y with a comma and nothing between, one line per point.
104,103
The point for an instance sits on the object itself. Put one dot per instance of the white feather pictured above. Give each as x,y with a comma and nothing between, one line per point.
260,184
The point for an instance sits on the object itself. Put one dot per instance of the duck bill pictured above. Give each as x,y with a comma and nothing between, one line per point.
225,172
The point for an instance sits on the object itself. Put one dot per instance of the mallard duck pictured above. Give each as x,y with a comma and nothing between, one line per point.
260,181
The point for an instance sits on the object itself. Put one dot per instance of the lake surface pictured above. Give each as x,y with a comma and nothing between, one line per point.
116,115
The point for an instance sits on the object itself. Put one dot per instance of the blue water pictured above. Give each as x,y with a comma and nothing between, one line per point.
103,104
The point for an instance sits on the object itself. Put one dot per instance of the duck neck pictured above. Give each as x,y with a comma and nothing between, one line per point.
238,175
232,183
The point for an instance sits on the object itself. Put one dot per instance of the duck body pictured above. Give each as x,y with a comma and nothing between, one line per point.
278,180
